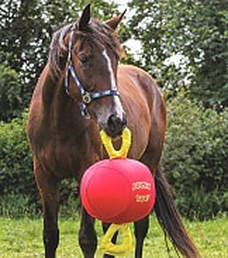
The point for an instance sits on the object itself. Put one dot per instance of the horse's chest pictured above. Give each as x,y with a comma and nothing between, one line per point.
68,158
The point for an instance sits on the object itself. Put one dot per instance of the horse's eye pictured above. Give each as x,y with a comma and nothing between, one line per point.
83,59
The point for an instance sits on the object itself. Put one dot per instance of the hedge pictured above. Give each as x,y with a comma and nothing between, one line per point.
196,157
195,160
18,192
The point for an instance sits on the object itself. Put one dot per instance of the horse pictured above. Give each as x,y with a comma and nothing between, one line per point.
81,90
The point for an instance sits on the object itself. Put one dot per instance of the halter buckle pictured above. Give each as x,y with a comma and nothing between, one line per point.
86,98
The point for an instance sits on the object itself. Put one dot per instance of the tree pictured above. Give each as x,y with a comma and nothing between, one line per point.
26,29
10,101
196,32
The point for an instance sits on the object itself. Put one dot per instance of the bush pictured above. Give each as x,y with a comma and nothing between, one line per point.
195,157
10,100
18,191
16,177
15,158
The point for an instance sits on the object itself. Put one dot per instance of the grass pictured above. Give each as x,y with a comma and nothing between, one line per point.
22,238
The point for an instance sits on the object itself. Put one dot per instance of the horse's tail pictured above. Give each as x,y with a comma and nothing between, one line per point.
170,219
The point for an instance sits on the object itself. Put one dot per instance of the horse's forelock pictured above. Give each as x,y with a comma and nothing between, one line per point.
97,32
58,49
102,33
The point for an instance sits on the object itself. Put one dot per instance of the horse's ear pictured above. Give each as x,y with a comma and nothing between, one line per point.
85,17
114,22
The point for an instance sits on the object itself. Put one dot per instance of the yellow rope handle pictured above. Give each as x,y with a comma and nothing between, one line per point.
126,142
106,244
125,248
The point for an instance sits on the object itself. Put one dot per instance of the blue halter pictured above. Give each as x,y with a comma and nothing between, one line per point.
87,97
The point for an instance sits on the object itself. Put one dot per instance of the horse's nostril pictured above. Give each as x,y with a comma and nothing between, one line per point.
115,125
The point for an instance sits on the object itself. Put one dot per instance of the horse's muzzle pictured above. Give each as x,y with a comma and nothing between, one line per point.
115,125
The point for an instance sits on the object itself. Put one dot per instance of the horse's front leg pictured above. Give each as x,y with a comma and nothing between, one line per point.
141,229
49,192
87,235
105,228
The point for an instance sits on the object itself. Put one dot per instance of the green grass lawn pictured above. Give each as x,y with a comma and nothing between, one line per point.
20,238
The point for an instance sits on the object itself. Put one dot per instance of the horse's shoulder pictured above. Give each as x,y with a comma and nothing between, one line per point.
129,69
139,77
136,72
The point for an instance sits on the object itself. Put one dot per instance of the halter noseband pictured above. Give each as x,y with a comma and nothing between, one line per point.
87,97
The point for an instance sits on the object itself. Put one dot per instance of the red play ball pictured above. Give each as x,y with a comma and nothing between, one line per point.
118,190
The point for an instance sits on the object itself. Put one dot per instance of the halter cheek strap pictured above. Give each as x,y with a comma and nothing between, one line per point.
87,97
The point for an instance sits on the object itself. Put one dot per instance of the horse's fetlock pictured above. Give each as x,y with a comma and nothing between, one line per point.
51,238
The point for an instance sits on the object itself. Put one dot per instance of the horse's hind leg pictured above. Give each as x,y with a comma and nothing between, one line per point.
48,188
141,229
87,235
151,158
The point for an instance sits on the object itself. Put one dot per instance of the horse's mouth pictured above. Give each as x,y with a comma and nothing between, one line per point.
116,138
115,126
114,134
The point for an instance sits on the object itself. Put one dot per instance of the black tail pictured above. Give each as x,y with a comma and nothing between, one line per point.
170,219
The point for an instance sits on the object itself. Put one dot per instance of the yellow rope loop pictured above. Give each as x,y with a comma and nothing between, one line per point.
124,248
106,244
126,142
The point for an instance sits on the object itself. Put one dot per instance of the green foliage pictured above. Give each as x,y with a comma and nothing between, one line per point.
15,158
17,206
195,32
195,157
16,177
10,101
18,191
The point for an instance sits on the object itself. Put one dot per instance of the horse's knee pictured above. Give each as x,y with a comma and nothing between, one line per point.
88,242
142,226
51,241
87,235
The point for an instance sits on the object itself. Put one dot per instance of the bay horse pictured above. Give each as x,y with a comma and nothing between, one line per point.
82,90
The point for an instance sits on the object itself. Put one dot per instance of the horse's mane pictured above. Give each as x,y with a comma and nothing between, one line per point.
96,32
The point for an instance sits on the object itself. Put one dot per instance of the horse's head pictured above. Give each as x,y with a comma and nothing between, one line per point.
91,75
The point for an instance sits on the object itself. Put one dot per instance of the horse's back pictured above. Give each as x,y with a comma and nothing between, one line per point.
144,105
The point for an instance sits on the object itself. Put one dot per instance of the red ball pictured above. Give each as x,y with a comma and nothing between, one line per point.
118,190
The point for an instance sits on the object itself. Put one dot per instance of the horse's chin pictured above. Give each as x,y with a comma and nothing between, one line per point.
117,142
